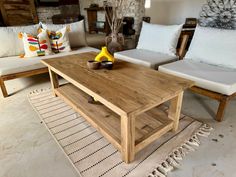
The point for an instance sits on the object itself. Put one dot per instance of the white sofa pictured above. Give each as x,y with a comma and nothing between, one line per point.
211,63
156,46
12,66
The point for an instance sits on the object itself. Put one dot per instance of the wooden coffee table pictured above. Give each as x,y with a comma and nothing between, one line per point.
128,116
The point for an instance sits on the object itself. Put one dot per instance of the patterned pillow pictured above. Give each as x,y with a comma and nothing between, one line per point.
59,40
36,45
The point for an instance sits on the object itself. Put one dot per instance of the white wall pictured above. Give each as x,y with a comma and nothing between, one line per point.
173,11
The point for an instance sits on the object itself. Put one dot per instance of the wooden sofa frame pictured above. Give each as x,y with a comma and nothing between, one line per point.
19,75
223,99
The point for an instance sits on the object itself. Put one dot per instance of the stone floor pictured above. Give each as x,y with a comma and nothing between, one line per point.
27,149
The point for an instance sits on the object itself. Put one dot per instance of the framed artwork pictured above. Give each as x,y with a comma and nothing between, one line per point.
219,14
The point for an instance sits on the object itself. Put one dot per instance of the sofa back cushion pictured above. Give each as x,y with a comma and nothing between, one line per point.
11,45
159,38
77,36
213,46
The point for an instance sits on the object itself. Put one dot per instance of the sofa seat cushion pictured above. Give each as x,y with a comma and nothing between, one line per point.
210,77
11,65
145,57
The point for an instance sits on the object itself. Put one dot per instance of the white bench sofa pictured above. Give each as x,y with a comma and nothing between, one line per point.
157,45
211,63
12,66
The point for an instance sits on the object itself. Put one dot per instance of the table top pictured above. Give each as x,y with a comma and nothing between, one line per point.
127,88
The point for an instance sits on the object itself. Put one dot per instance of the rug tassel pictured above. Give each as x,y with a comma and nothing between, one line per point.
37,91
173,160
188,148
203,133
177,155
157,173
162,170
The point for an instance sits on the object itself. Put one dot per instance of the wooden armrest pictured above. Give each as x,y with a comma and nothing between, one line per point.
183,44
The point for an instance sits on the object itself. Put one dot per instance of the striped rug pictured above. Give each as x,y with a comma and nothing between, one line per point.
93,156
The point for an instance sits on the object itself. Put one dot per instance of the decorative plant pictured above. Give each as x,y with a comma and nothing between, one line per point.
115,13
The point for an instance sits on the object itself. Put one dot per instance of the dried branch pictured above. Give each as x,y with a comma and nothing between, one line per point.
116,15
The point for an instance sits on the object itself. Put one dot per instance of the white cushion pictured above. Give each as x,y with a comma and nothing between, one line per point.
213,78
76,35
11,65
159,38
11,45
145,57
213,46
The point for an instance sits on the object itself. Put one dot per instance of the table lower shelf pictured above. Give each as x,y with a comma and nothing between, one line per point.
148,126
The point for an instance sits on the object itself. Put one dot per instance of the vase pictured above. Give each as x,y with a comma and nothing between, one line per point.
114,42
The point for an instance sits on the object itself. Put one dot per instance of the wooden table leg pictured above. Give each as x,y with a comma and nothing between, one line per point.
3,88
175,110
54,80
128,138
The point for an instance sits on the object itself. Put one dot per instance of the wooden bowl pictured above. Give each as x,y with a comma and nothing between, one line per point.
93,64
107,64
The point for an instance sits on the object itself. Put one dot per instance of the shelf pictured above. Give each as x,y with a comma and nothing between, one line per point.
149,125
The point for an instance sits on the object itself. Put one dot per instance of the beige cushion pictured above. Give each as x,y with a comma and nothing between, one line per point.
11,45
213,46
159,38
213,78
76,35
145,57
11,65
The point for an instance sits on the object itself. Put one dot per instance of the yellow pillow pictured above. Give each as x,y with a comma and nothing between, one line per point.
36,45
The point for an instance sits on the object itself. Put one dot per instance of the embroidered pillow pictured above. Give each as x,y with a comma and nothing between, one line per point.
60,40
76,35
36,45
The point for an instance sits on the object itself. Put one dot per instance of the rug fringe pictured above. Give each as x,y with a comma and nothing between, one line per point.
38,91
173,160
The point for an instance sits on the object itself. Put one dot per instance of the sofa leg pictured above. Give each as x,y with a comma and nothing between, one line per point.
3,88
221,109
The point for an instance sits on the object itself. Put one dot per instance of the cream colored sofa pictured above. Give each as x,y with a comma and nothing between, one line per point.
12,66
156,46
211,63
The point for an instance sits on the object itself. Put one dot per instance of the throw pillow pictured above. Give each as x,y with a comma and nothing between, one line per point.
59,40
12,45
213,46
36,45
76,35
159,38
